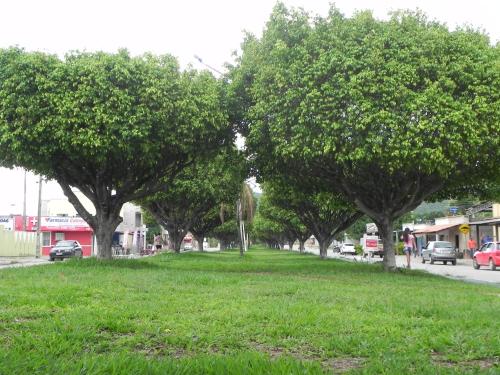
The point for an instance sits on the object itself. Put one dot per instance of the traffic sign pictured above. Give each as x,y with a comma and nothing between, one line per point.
464,228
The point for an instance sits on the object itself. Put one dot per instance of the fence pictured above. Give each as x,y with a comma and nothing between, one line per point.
17,244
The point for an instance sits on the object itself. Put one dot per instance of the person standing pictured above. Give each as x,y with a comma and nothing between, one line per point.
472,246
409,244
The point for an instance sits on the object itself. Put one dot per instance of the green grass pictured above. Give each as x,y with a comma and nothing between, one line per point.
270,312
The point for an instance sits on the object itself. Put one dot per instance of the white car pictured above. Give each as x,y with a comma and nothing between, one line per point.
347,248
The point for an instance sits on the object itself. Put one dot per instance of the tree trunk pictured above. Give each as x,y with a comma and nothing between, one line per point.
291,242
323,247
385,229
301,246
104,231
176,238
222,244
200,239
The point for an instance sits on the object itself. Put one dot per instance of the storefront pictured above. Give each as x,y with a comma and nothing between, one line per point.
57,228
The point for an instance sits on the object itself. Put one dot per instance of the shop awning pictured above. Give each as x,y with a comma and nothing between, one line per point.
435,228
490,221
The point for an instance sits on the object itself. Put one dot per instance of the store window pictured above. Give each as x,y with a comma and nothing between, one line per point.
45,238
59,236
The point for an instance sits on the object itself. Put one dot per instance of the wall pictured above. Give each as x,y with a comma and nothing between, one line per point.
17,243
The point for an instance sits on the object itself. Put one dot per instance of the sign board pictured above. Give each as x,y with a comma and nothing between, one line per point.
464,228
57,224
453,210
478,208
6,222
371,228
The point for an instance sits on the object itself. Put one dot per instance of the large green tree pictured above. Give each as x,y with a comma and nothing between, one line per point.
385,112
116,127
190,200
324,214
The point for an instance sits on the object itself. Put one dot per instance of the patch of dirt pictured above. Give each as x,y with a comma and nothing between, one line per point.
160,349
483,363
337,365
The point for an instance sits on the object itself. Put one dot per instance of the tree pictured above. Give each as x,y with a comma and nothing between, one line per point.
385,112
324,214
292,227
193,196
118,128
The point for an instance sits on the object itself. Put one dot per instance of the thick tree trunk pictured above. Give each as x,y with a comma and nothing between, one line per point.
222,244
385,229
175,240
291,242
104,231
200,239
301,246
323,247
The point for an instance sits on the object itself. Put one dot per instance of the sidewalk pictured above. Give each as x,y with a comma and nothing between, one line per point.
9,262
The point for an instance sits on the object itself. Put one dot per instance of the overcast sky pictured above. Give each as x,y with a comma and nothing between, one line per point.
209,29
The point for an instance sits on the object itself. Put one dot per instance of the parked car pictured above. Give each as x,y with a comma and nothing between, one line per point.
487,255
66,249
441,251
347,248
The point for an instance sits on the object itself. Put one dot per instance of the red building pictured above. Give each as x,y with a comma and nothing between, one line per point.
57,228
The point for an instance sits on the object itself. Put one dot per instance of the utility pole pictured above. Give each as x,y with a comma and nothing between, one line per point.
24,203
39,217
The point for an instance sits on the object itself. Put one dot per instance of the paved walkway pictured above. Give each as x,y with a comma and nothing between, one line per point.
11,262
462,271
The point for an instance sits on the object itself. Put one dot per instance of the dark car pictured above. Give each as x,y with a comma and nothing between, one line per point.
441,251
66,249
488,255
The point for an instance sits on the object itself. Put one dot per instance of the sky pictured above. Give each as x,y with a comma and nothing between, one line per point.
212,30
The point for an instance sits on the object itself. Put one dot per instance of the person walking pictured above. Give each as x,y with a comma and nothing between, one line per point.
472,246
409,244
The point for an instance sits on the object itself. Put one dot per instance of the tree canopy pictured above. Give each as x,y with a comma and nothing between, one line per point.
385,112
114,126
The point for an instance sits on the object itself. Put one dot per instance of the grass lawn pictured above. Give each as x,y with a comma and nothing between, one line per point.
270,312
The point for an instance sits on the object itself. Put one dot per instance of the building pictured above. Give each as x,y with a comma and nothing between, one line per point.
445,229
57,228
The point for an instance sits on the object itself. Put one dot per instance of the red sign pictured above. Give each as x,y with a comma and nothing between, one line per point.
371,243
55,224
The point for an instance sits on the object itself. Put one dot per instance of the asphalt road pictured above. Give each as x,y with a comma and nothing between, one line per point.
462,271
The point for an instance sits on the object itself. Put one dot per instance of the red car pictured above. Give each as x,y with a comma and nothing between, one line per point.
488,255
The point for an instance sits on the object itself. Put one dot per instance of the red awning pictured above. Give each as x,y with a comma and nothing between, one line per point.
435,228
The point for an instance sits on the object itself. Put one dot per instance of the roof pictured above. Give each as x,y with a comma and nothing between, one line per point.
436,228
492,220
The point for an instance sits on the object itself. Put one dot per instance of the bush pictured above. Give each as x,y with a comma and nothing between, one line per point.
359,249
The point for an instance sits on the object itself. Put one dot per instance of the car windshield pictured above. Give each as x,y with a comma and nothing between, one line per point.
64,243
443,244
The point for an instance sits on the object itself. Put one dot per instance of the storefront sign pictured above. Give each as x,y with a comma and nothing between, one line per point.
58,224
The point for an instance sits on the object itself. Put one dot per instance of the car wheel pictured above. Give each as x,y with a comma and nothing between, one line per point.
493,267
475,264
454,262
423,260
432,260
51,259
445,262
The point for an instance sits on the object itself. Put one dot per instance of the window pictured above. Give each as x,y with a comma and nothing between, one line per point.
45,238
138,219
59,236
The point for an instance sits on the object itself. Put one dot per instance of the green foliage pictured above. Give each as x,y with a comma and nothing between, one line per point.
385,112
270,312
114,126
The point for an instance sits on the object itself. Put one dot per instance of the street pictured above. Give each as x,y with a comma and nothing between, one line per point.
462,271
12,262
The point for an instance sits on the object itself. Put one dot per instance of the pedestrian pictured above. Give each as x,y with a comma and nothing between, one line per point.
472,246
409,245
157,242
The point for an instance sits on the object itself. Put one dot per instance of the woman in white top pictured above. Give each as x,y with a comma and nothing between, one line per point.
409,244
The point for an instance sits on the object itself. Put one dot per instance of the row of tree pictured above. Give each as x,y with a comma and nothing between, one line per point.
120,129
366,116
342,117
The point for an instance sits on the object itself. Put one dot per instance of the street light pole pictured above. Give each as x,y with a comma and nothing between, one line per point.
39,217
208,66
